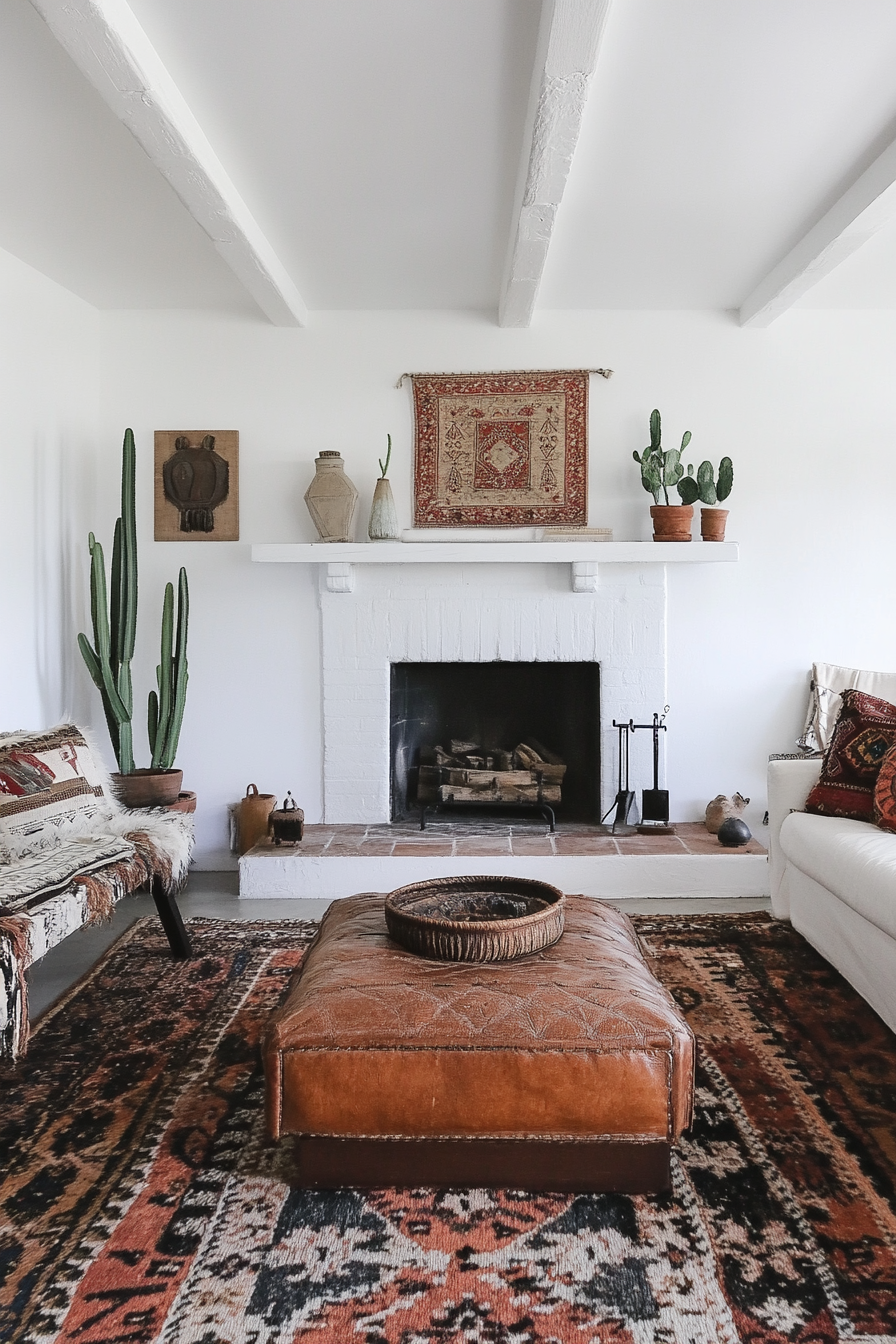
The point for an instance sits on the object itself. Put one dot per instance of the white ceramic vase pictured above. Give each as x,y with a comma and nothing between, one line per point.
383,524
332,499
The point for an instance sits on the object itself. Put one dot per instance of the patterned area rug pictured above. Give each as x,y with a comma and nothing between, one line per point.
141,1201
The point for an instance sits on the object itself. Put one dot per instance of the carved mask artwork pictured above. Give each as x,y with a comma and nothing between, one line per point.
196,481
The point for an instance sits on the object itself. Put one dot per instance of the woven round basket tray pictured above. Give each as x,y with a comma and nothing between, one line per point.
475,918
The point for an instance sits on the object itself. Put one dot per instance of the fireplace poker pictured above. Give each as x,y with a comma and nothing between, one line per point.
625,796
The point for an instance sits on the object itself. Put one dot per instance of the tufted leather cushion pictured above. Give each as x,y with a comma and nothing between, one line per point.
579,1041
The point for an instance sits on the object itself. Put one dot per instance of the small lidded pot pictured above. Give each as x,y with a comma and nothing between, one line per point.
288,822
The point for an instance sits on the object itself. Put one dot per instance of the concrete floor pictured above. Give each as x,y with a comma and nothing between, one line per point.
216,896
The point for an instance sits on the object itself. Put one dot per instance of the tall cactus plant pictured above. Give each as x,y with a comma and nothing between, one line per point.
114,618
166,709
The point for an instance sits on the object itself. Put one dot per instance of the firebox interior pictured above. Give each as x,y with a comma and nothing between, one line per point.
497,705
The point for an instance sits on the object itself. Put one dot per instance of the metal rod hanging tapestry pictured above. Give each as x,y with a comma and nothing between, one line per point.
501,449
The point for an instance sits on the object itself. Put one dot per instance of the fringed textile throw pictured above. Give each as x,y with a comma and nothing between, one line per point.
82,863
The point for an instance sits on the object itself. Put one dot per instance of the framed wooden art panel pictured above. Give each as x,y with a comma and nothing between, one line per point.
197,485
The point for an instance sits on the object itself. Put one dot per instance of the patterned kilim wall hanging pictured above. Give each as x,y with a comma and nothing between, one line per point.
501,449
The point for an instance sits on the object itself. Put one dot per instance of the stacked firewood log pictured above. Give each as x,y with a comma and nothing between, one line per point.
469,773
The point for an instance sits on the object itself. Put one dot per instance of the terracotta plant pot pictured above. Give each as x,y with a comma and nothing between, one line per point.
148,788
712,524
672,522
184,802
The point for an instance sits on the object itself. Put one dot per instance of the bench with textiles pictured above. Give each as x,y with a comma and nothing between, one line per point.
68,852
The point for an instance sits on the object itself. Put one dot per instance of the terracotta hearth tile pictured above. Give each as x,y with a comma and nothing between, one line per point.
370,847
423,849
320,834
575,828
650,844
531,844
343,849
585,844
494,846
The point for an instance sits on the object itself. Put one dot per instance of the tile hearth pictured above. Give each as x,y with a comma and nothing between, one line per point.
448,839
337,860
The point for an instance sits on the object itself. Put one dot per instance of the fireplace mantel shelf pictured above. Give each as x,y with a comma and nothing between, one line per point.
583,557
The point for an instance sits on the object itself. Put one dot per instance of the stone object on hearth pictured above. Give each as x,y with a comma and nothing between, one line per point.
723,807
478,919
734,832
332,498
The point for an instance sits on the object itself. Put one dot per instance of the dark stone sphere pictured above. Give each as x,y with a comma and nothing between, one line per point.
734,832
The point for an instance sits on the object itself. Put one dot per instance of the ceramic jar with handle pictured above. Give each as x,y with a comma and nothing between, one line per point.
255,817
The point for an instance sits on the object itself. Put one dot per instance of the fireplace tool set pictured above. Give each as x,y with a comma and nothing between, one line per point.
655,801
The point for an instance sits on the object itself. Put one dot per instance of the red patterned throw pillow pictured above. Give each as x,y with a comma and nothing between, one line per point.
863,735
885,793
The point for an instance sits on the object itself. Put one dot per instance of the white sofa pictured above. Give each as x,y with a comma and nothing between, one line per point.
835,880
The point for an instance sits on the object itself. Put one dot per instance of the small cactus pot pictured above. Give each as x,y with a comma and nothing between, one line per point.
672,522
712,524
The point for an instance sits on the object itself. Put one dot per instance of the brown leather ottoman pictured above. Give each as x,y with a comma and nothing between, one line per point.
568,1070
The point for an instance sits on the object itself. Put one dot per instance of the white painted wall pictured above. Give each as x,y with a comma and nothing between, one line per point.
804,408
48,401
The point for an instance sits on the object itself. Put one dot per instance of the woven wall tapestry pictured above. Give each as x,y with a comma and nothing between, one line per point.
501,449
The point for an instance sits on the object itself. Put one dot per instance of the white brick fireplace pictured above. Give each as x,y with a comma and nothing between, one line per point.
477,613
389,603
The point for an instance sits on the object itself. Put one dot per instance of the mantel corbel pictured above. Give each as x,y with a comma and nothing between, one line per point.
340,577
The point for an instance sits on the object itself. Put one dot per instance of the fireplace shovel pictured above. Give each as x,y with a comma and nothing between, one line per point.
655,801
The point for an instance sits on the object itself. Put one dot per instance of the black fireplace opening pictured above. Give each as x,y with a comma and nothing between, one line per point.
507,717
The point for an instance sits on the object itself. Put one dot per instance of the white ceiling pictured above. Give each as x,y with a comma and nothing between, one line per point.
378,146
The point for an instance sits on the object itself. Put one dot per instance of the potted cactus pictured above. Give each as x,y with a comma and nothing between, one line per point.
383,525
660,471
711,489
109,658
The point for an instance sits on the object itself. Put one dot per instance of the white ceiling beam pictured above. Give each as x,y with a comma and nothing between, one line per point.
866,207
566,56
108,45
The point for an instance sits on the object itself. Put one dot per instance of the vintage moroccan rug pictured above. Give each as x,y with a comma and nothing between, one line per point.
140,1200
500,449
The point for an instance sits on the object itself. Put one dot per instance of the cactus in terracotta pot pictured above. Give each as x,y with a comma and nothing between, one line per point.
113,610
660,471
710,489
